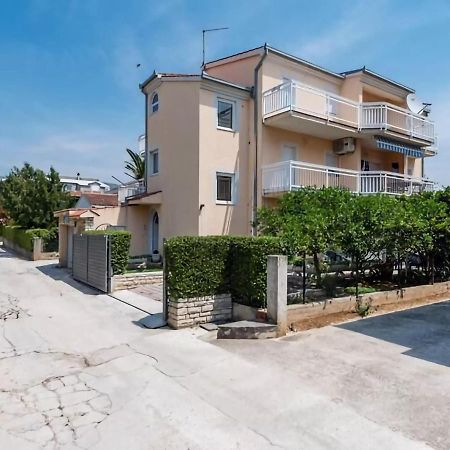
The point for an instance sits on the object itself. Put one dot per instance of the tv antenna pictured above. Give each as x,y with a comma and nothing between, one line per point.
203,36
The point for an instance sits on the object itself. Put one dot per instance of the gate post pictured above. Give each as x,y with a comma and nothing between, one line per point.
109,274
277,292
165,299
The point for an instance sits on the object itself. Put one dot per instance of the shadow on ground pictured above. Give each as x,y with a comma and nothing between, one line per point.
7,253
64,275
424,330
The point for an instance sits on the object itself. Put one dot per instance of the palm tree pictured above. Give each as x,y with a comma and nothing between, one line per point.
136,166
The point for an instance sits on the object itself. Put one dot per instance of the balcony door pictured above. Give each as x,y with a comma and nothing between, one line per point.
289,152
331,159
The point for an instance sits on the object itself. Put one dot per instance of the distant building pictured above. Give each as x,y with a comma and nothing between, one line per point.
79,184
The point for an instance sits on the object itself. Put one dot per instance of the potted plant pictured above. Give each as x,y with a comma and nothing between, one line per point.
156,257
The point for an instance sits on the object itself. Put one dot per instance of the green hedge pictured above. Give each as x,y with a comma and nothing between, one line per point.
24,238
120,248
200,266
248,268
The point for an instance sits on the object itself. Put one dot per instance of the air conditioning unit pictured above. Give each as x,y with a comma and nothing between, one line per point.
344,146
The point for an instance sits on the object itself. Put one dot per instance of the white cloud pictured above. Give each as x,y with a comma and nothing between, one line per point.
93,153
356,24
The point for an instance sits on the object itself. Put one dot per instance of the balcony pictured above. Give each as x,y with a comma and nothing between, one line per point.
291,175
390,118
301,108
131,189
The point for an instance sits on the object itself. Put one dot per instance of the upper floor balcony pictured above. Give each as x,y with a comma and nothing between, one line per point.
287,176
298,107
131,189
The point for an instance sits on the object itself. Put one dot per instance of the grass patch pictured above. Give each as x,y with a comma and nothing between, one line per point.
351,290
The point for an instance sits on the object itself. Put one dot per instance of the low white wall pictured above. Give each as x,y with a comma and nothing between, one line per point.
297,313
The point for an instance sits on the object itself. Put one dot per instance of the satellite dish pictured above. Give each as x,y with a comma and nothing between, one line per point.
414,104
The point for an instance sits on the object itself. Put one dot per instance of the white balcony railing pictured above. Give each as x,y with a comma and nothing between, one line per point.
389,117
131,189
291,175
305,99
308,100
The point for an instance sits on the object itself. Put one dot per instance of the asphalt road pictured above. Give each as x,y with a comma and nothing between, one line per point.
78,371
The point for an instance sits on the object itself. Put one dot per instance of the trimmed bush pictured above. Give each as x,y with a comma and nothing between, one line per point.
120,248
208,265
24,238
247,268
197,266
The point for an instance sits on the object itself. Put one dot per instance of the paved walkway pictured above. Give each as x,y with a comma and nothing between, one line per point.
152,291
78,372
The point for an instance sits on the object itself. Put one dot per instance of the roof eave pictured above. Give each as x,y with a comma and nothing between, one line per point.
304,62
205,76
380,77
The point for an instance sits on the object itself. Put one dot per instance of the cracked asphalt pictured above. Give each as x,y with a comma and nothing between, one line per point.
78,372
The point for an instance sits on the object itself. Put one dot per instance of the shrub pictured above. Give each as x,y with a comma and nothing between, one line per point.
248,268
24,238
197,266
200,266
120,248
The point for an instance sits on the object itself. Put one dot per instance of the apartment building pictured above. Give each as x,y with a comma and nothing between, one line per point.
257,124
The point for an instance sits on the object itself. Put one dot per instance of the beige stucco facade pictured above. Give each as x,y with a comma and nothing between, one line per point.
289,118
193,149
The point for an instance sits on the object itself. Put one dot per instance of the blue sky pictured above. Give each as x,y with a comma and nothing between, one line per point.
69,92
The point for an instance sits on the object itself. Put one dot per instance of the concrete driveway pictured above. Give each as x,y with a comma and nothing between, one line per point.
77,371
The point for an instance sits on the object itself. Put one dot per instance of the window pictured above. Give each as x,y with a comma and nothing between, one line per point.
225,114
155,103
154,162
89,223
224,190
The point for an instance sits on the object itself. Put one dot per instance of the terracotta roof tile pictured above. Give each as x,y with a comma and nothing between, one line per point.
96,199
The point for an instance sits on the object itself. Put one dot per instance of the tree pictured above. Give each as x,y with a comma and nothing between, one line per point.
363,238
434,228
136,166
29,196
308,220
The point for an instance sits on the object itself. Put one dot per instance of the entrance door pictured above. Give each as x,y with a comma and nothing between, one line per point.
155,232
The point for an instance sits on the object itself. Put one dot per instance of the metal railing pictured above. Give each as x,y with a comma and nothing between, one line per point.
308,100
131,189
385,116
292,96
291,175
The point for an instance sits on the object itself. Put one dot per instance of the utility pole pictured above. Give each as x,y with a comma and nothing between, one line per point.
203,36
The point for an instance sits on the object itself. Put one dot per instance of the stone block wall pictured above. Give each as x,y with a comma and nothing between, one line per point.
131,280
195,311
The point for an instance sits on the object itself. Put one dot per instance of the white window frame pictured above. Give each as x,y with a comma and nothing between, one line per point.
233,188
151,171
154,94
233,113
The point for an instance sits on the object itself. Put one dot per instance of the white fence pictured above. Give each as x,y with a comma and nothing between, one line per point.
291,175
305,99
